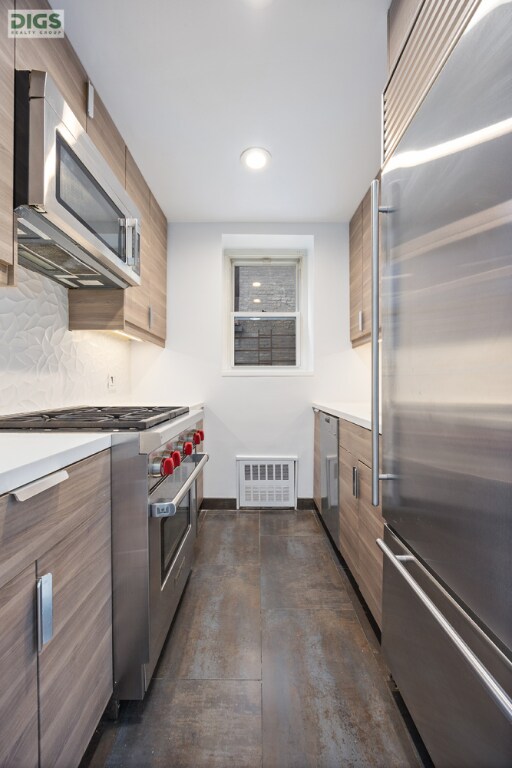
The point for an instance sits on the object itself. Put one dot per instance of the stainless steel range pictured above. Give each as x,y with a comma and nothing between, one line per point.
157,458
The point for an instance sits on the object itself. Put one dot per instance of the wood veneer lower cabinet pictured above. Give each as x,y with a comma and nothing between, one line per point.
18,672
75,667
52,700
349,527
360,522
370,528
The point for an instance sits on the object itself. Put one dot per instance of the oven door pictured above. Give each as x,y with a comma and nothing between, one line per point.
172,532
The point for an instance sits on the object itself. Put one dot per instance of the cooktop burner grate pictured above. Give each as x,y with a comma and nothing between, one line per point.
101,418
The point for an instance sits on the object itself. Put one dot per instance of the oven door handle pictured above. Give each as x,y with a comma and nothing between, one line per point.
169,508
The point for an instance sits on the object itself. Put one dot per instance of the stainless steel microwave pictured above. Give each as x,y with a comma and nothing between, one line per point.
76,224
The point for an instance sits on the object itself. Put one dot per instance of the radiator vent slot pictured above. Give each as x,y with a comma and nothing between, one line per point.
266,482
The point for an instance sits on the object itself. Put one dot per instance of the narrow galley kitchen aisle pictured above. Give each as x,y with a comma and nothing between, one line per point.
268,662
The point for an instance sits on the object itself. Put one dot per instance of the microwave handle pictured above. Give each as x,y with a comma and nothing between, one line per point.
169,508
132,241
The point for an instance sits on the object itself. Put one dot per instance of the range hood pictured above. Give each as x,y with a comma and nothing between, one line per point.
76,224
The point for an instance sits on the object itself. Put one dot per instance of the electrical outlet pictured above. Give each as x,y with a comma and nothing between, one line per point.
112,382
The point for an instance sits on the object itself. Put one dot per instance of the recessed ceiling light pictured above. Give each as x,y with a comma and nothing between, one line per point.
255,158
256,285
257,301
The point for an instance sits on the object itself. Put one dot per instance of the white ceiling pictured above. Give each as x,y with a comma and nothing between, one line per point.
191,83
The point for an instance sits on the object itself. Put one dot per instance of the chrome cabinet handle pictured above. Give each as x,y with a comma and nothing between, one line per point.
169,508
25,492
492,686
44,597
360,319
355,482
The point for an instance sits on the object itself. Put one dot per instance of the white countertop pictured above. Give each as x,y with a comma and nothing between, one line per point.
357,413
27,456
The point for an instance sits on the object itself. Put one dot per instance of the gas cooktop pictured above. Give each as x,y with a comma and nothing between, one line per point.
107,418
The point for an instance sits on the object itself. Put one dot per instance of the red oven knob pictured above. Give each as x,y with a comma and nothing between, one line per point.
176,457
166,467
197,438
201,434
188,448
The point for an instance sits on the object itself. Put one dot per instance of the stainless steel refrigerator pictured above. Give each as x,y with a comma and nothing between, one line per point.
447,403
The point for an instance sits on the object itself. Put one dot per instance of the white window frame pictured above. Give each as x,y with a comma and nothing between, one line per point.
234,258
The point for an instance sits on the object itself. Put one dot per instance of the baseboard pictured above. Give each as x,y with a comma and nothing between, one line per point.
218,504
231,504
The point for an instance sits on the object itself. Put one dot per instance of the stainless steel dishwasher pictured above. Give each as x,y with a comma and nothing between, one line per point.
329,426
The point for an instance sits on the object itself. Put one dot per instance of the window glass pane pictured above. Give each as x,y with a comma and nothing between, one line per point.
265,341
265,288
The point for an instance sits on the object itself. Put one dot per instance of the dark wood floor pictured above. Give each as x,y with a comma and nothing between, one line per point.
270,662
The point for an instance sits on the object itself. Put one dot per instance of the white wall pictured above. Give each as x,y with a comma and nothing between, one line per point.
249,415
42,364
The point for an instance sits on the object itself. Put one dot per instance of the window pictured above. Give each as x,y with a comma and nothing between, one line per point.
266,317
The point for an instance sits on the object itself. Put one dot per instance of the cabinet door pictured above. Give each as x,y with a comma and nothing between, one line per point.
349,526
106,137
75,666
18,672
6,146
371,527
356,281
366,265
158,274
57,57
137,298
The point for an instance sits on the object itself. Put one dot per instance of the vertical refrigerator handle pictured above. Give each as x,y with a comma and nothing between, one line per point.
375,210
375,341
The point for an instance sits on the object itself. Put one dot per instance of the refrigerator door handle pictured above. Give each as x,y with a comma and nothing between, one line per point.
493,688
375,210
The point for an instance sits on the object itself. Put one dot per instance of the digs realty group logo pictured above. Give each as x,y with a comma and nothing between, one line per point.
35,23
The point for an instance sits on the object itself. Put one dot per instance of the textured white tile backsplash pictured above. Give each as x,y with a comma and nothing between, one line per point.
42,364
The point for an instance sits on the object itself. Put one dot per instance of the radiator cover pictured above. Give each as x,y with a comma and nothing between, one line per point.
266,481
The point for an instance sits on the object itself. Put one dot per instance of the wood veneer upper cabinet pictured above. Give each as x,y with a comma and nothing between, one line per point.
137,298
103,132
356,267
360,254
437,27
6,148
18,672
141,310
57,57
158,270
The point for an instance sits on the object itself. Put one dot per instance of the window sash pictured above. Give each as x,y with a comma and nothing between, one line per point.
266,316
265,262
